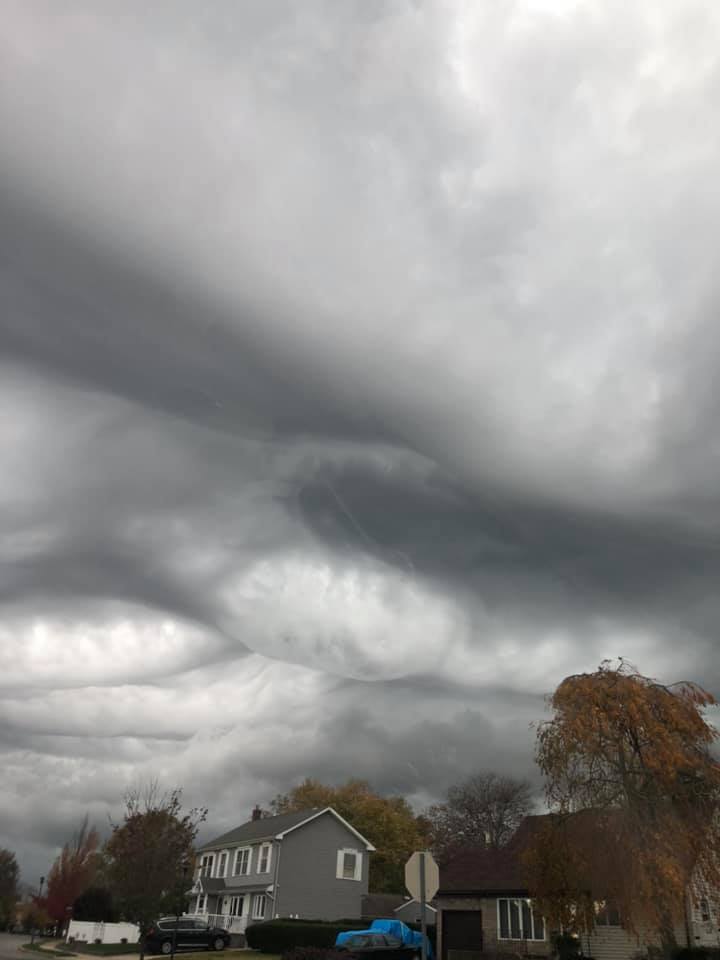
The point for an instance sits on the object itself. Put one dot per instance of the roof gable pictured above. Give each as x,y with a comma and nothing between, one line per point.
482,870
489,870
313,815
275,828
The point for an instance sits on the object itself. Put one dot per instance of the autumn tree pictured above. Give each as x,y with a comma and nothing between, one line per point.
146,854
633,789
34,916
96,904
387,822
9,876
72,872
486,808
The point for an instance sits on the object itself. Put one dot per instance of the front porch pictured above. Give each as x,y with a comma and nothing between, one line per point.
224,920
233,910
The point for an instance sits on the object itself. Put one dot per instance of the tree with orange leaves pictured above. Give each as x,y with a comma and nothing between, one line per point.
634,792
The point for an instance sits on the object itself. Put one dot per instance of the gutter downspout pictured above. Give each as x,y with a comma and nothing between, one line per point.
275,878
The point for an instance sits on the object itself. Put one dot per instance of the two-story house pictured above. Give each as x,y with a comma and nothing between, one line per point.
310,864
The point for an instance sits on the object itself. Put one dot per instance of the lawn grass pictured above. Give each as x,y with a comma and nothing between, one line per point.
39,947
106,949
132,949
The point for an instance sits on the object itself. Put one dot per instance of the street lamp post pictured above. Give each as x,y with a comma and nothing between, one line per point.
177,909
32,932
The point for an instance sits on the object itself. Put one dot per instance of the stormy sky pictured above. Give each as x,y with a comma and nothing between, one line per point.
359,380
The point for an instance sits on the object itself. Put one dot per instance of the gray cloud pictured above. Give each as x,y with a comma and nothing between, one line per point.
358,382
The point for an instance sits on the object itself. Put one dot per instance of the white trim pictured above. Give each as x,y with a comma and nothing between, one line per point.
357,869
233,905
269,847
368,846
238,851
254,913
518,901
221,854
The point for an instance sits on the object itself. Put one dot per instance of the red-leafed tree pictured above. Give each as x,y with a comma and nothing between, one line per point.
72,873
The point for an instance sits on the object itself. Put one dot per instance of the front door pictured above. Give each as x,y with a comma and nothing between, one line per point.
461,934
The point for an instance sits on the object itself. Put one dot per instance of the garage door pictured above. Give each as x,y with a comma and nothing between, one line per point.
461,934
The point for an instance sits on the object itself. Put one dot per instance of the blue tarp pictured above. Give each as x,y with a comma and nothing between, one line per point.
393,928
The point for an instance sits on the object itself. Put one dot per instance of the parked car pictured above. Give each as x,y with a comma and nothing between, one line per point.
368,944
191,934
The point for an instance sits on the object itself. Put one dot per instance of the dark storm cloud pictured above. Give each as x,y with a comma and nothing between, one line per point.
344,406
479,540
171,351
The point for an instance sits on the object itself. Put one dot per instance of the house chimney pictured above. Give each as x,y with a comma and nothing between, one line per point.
257,813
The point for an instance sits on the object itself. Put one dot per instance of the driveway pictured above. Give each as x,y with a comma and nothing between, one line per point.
9,943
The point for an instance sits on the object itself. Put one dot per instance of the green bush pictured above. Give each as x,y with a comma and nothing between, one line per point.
279,936
567,946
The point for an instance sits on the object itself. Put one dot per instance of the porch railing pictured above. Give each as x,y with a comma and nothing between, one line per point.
231,924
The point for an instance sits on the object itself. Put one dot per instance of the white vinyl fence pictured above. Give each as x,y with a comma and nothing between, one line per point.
86,931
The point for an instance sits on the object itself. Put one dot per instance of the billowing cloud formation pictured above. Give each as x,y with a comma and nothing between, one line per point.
358,382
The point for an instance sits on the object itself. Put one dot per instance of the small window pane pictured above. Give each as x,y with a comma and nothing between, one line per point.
514,920
526,922
504,923
348,866
538,927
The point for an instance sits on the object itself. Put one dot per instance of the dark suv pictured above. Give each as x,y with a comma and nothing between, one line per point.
192,934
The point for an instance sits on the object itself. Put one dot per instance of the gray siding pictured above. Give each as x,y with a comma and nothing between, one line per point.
254,879
307,882
615,943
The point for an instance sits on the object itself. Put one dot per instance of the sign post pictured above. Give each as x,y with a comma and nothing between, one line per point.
422,879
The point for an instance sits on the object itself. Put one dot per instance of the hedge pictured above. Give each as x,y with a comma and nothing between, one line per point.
278,936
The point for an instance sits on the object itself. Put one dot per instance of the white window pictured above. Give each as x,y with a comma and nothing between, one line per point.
236,906
206,864
258,910
222,864
518,921
264,858
201,901
242,862
349,865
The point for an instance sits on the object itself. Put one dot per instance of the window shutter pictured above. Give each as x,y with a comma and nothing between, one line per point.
340,859
358,865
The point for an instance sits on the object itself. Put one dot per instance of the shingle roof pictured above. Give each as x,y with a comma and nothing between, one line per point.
264,829
476,869
212,884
